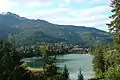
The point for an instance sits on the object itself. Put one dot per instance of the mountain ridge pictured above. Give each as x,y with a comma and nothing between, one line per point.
10,13
23,29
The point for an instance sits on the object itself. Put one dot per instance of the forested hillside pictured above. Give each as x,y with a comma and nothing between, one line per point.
28,31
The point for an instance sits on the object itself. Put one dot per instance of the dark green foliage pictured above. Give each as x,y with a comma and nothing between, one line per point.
98,63
80,75
65,74
50,67
31,52
113,73
10,64
107,58
114,26
106,62
49,49
12,68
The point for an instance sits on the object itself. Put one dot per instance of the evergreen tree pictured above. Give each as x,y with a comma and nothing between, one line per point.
10,63
49,66
80,75
99,63
114,26
65,73
107,59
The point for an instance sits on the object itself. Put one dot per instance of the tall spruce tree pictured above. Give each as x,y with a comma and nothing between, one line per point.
114,26
10,64
106,60
99,63
65,73
80,75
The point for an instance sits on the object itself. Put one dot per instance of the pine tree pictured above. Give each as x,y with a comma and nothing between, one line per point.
10,63
65,73
114,26
99,63
80,75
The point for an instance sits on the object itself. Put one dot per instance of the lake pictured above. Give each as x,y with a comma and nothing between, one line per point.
73,62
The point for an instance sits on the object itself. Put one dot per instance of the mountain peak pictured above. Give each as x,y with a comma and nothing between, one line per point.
10,14
4,13
13,15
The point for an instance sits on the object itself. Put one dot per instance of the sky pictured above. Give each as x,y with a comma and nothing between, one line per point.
90,13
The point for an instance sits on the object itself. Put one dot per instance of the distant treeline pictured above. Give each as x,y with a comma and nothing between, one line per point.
12,68
52,49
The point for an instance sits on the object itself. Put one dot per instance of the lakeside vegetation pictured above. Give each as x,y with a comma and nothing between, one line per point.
12,68
106,62
53,49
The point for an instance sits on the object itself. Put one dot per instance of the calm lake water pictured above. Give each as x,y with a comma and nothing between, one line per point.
73,62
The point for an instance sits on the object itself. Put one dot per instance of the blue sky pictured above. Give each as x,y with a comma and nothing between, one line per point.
91,13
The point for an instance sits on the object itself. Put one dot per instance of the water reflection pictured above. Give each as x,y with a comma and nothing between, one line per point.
73,62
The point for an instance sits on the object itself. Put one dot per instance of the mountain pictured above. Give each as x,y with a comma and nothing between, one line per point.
28,31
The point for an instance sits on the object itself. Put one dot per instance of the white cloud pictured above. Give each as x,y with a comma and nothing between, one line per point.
45,14
5,5
92,11
32,3
94,16
69,1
